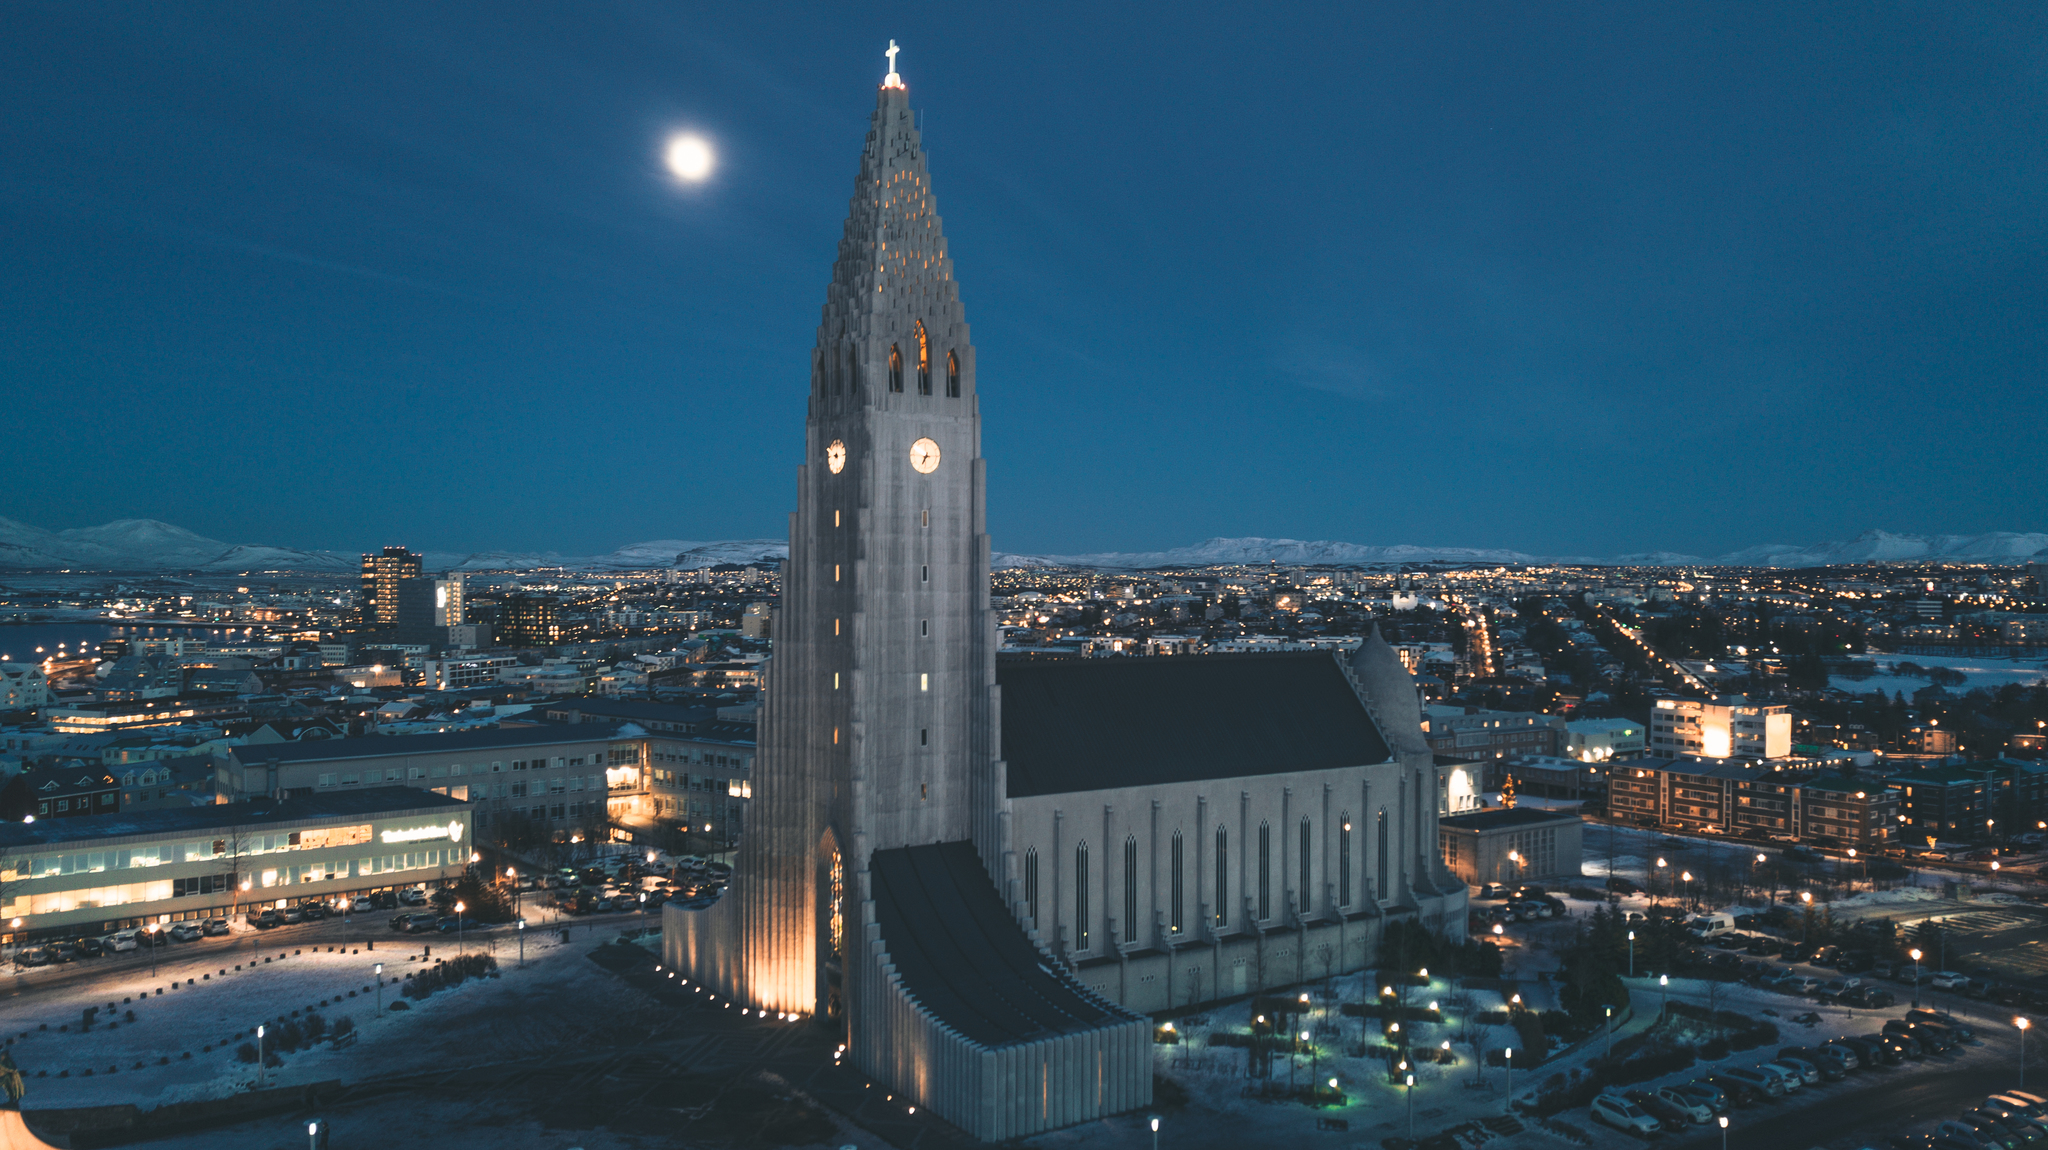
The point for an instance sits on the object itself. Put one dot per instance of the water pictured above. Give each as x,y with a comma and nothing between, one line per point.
18,644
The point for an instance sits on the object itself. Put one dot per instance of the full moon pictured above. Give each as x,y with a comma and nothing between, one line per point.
689,158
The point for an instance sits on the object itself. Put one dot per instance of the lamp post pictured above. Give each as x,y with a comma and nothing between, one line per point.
1155,1134
15,926
2023,1023
312,1136
1315,1061
1724,1132
518,896
1686,878
1610,1034
1806,904
1664,988
1631,954
459,908
1507,1105
1661,864
380,989
1411,1108
153,928
1916,977
259,1056
522,942
1752,873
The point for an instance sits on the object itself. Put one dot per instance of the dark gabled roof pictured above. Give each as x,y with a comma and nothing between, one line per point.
368,802
1500,817
378,746
964,957
1093,724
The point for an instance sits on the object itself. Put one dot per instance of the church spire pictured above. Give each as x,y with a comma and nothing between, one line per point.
892,320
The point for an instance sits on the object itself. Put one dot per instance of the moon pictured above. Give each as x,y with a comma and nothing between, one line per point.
689,157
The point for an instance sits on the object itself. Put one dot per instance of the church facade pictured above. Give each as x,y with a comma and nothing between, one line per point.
987,875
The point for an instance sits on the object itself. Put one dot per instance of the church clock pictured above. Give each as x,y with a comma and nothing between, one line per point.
924,455
835,457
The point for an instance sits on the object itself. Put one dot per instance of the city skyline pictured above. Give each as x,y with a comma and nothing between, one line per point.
1590,284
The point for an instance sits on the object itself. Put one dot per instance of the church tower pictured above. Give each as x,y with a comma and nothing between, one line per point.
878,750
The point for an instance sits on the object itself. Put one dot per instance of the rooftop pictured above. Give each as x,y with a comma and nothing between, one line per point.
1094,724
383,746
367,803
1499,817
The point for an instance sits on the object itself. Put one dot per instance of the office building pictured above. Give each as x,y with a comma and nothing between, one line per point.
382,573
1511,845
527,621
1729,728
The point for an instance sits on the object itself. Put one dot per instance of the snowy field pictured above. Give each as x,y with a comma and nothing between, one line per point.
189,1006
1987,673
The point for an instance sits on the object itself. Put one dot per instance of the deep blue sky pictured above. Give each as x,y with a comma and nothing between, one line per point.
1570,278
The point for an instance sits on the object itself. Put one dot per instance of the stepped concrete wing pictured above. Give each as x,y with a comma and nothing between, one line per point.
963,956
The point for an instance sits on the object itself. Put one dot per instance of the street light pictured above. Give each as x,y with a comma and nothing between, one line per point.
1155,1134
1916,977
2023,1023
380,989
1724,1132
1687,879
1664,988
522,942
1507,1105
1610,1034
259,1056
459,908
1411,1108
1631,954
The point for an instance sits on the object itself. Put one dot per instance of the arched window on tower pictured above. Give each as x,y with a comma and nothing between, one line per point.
1265,871
1222,877
924,361
1307,899
952,376
1379,831
1031,885
1081,897
1344,862
1176,923
895,368
1131,888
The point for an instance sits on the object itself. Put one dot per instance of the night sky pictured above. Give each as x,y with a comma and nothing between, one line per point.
1567,278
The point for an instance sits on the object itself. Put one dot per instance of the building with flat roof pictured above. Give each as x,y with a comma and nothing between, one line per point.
1511,845
67,877
1598,740
1730,728
1726,796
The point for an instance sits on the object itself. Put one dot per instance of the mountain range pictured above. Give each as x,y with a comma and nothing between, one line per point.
149,545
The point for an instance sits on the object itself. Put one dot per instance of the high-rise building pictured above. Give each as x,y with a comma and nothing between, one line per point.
381,575
527,621
448,601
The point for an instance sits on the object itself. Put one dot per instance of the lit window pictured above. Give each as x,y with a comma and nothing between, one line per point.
895,369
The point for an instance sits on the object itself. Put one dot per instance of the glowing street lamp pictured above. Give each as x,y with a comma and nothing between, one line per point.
1631,954
1664,988
1724,1132
1916,977
2023,1023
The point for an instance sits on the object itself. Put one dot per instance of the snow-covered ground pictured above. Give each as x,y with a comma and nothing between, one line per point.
1980,672
199,1007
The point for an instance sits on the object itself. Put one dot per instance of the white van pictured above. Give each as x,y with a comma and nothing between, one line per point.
1709,925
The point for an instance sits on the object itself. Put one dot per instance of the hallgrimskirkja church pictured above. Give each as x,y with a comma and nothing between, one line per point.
987,873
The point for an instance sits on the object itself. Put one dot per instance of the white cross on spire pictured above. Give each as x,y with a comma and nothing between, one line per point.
892,80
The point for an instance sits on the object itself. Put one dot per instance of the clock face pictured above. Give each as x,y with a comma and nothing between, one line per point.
924,455
835,456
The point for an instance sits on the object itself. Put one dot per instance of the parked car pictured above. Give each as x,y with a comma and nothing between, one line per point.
447,923
294,914
122,940
1669,1115
1704,1091
185,932
1807,1070
314,911
1792,1077
216,926
1622,1114
1760,1084
1682,1107
89,947
265,920
2026,1130
1870,997
1800,984
1845,1053
1830,1063
413,896
1947,980
1941,1018
2017,1104
1991,1133
33,956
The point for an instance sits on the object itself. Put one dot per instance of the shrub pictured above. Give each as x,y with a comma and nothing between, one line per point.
246,1052
401,1004
316,1026
1714,1049
343,1025
290,1037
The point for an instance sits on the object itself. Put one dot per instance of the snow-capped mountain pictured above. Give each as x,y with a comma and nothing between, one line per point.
149,545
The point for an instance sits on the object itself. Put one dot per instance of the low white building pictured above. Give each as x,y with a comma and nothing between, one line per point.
23,686
1598,740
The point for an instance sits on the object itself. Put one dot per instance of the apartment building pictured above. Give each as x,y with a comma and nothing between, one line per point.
1731,727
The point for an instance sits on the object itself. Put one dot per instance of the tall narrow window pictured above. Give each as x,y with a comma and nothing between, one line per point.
1344,863
838,921
1222,877
852,369
952,376
1081,897
1131,933
924,361
895,369
1175,922
1307,899
1379,830
1265,871
1031,885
